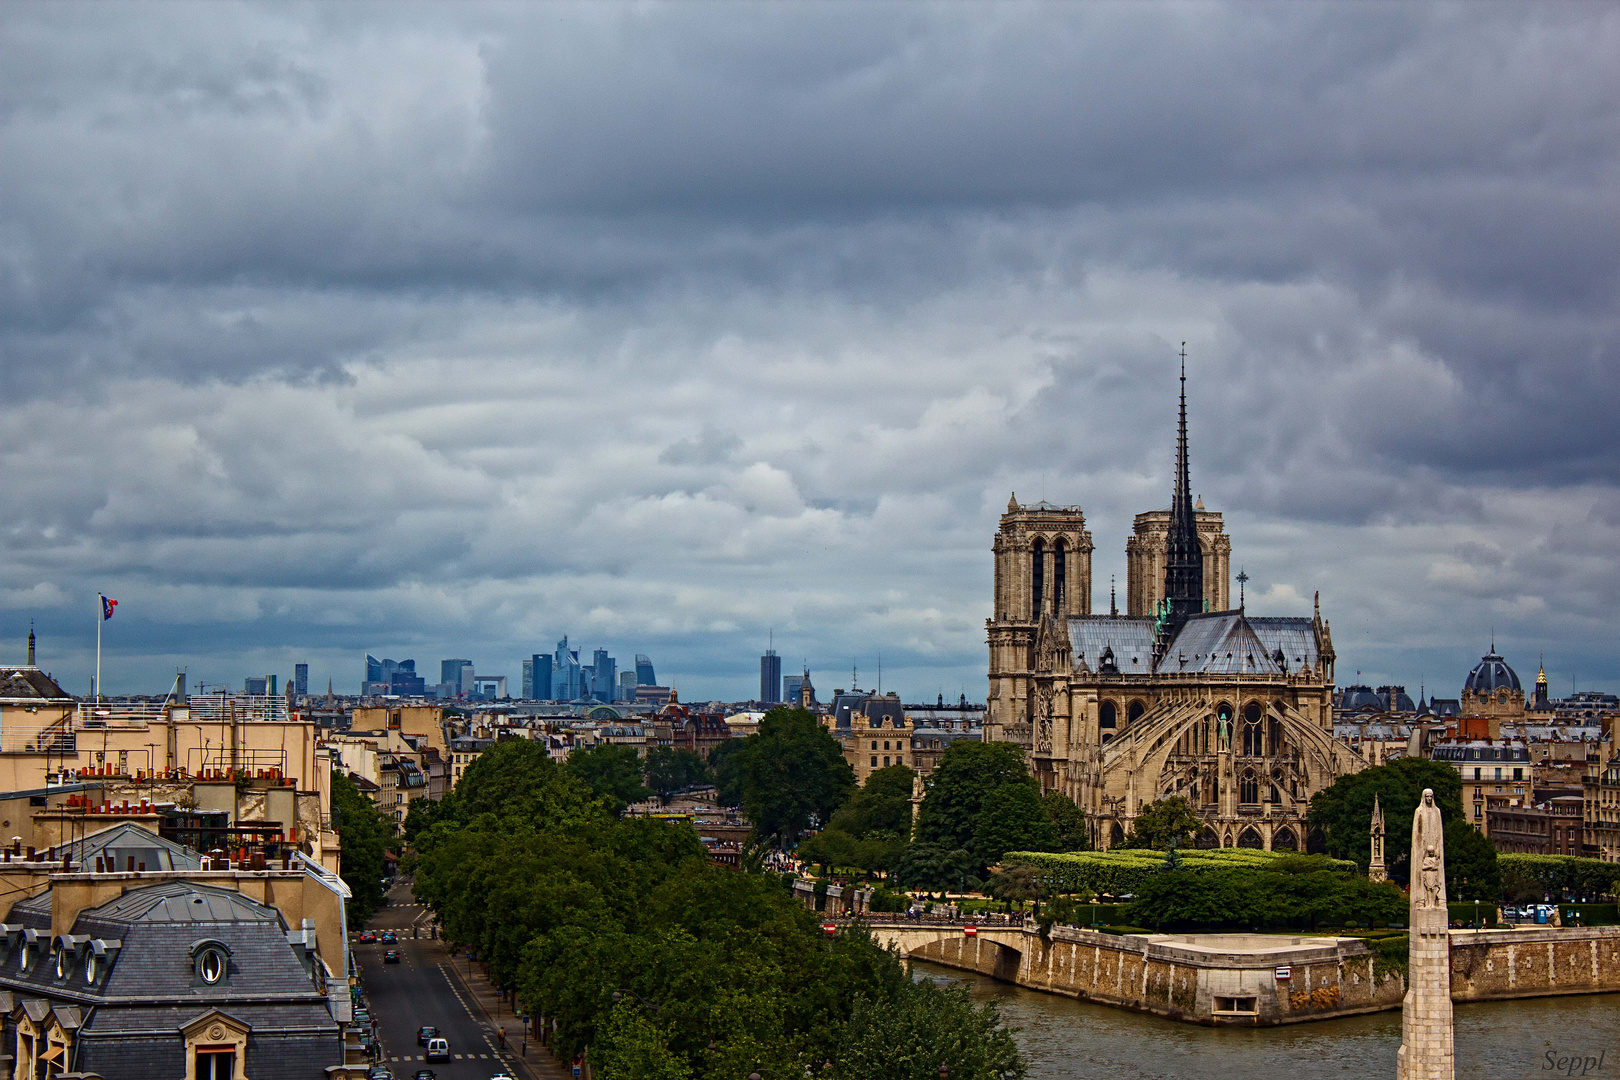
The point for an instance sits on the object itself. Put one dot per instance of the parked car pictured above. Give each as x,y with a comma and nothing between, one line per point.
391,956
424,1033
438,1049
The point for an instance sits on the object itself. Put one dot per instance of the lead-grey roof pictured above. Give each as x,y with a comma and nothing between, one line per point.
183,902
1296,637
1130,636
1220,643
127,841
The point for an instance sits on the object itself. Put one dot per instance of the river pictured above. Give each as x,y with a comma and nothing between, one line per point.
1065,1039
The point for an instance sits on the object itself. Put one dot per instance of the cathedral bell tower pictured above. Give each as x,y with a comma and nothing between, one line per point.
1043,570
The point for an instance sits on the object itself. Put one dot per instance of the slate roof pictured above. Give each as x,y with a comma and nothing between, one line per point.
30,684
1296,637
1218,643
185,902
1130,636
127,841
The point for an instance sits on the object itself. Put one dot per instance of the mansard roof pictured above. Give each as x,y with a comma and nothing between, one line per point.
23,683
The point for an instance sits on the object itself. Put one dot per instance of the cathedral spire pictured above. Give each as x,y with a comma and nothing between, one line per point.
1184,559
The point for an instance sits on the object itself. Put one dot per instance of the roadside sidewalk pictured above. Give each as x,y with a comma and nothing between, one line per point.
539,1064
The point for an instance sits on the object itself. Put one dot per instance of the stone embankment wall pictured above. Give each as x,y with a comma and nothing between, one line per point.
1324,978
1490,965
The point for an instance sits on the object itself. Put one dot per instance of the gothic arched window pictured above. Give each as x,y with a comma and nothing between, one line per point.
1060,574
1107,715
1254,743
1248,788
1037,579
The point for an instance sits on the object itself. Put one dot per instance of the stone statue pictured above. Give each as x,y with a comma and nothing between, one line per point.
1427,1051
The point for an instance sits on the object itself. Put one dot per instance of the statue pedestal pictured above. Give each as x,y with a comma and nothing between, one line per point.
1427,1051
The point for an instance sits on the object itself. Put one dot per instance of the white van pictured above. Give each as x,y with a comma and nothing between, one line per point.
438,1050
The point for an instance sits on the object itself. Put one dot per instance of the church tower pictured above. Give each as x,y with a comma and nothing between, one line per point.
1043,570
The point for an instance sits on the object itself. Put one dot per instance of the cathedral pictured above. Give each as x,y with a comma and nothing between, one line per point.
1181,695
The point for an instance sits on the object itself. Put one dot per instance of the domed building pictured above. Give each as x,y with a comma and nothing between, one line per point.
1493,690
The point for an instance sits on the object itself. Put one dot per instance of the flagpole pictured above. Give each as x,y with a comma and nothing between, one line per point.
101,602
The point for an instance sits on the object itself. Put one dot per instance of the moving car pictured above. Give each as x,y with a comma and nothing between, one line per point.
424,1033
389,938
367,936
425,1074
501,1074
391,956
380,1072
438,1049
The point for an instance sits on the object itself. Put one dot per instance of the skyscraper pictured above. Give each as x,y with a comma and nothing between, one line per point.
644,671
770,678
528,680
565,681
301,679
604,676
457,674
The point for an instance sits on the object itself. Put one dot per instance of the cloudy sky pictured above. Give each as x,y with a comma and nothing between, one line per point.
447,330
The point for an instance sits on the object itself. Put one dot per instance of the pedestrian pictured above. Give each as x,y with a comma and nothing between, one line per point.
502,1036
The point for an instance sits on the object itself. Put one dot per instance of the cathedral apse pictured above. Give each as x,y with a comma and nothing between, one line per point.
1181,696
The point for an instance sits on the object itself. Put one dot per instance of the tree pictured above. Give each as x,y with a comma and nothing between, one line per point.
364,834
881,805
669,769
1471,869
727,780
611,772
791,775
1342,812
1069,821
1011,818
934,867
1160,824
965,775
921,1031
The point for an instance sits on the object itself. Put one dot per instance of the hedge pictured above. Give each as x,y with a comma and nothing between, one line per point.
1560,875
1121,872
1591,914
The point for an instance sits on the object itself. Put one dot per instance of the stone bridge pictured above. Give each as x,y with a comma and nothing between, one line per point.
997,951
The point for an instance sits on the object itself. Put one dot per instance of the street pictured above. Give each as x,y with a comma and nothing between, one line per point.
418,991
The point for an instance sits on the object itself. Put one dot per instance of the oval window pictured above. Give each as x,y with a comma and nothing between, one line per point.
61,963
90,968
211,966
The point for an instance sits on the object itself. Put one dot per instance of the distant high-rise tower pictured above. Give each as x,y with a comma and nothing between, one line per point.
300,679
770,678
644,671
604,676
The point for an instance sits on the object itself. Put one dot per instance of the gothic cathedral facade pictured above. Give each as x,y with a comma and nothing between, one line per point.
1183,695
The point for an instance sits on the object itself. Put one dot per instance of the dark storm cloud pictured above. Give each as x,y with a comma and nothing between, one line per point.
672,323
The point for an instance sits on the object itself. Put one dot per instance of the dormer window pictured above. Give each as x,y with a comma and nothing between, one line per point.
211,963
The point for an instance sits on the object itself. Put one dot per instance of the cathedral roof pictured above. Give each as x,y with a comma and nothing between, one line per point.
1129,636
1218,643
1296,637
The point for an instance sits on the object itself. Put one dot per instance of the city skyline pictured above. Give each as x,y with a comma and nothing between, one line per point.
670,334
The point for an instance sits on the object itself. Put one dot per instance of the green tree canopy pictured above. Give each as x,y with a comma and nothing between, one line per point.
935,867
1011,818
789,776
723,766
668,769
966,774
364,834
881,805
1069,821
611,772
1159,824
922,1028
1342,813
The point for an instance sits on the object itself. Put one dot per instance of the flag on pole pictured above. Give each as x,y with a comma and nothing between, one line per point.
107,605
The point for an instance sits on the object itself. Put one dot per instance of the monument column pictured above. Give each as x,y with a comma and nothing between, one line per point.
1426,1051
1376,870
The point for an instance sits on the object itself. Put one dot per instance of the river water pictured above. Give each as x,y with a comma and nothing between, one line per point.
1065,1039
